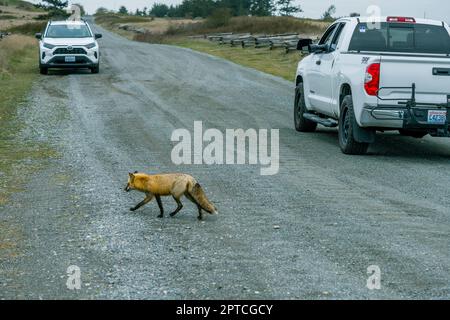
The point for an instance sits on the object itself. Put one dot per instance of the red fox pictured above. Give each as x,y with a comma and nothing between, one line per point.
174,184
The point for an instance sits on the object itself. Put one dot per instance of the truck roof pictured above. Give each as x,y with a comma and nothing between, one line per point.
385,18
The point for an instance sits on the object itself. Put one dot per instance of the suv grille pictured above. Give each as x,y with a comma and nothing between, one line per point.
73,51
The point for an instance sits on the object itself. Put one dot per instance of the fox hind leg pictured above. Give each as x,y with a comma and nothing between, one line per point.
192,199
179,207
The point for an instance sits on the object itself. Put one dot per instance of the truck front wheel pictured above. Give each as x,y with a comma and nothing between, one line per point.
301,124
347,122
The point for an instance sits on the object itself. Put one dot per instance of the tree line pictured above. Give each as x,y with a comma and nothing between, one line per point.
205,8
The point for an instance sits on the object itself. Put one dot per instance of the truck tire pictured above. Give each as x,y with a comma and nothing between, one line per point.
347,122
411,133
301,124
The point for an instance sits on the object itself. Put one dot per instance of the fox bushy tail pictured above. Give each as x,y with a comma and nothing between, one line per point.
199,195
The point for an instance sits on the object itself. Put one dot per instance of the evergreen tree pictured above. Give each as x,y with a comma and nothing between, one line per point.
262,7
123,10
287,8
328,15
159,10
54,4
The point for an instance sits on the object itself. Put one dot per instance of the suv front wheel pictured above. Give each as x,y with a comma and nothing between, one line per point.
95,69
43,70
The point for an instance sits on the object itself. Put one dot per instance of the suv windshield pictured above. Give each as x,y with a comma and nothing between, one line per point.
401,37
68,31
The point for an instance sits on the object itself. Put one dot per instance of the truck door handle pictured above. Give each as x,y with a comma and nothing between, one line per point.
441,72
318,62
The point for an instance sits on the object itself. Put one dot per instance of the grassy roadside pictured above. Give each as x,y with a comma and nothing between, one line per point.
275,62
18,70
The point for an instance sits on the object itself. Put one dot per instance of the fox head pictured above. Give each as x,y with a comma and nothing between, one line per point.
130,183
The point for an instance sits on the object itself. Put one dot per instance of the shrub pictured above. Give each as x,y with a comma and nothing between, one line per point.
28,28
219,18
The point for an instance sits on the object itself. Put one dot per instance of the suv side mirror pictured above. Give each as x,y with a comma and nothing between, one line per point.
98,35
304,45
38,36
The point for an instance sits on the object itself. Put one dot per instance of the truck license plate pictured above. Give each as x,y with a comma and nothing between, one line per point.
70,59
437,116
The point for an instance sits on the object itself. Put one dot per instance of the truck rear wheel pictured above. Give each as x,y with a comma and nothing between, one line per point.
301,124
347,122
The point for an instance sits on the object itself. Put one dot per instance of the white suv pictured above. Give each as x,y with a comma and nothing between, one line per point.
68,44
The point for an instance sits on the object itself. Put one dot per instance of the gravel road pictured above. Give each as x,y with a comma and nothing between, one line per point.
309,232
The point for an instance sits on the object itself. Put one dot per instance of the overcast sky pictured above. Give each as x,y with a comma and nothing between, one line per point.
433,9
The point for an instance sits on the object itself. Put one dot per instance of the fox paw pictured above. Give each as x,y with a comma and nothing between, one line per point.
160,216
133,209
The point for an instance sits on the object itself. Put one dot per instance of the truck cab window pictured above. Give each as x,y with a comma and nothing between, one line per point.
328,35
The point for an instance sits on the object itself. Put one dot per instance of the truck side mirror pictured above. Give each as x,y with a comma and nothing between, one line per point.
98,35
304,45
38,36
315,48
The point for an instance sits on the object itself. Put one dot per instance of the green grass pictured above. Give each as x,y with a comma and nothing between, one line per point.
7,17
258,25
29,28
20,4
18,70
111,19
275,62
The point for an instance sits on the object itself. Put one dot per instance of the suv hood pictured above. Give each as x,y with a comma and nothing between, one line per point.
69,41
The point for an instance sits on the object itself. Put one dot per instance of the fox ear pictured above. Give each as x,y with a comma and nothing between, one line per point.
136,172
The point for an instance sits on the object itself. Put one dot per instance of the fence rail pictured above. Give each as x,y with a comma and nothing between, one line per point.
288,41
4,34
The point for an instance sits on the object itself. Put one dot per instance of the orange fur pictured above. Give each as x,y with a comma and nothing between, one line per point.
171,184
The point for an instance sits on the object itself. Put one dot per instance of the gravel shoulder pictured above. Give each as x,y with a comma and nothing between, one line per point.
336,214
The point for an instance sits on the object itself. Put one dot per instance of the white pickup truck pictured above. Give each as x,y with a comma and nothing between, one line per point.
375,74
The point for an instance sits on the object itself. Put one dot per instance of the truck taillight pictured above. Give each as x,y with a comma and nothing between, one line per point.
401,19
372,79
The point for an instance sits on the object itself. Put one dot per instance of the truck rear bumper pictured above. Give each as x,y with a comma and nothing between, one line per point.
382,117
397,117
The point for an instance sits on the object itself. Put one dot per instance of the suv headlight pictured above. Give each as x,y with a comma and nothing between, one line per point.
48,45
91,45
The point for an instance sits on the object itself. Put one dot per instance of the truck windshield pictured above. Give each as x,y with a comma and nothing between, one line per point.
68,31
401,37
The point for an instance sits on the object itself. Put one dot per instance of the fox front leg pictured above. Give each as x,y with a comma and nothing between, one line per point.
147,199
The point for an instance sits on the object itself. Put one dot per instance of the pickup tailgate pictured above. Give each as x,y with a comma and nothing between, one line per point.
430,74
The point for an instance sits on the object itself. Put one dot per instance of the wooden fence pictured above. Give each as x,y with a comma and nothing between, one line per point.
288,41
